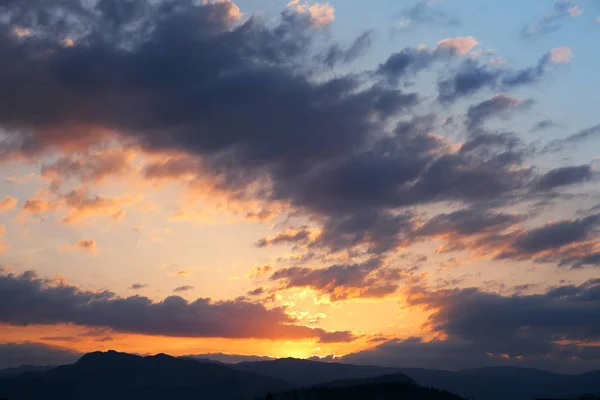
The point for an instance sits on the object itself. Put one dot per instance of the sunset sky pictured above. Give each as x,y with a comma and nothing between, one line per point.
398,183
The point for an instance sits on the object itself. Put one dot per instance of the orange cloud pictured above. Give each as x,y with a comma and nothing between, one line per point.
85,245
7,203
78,206
90,167
3,245
259,271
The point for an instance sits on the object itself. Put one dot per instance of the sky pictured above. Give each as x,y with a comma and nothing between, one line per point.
396,183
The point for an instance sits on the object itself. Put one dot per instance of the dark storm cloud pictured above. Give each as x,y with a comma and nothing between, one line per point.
409,168
565,176
483,327
28,300
14,355
239,100
341,282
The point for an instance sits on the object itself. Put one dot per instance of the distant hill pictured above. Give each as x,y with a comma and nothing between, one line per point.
120,376
506,383
385,388
481,384
123,376
24,368
309,373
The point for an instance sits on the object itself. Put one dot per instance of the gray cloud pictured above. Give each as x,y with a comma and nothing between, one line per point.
138,286
581,136
181,289
565,176
552,236
301,235
483,328
473,76
335,54
468,222
499,105
543,125
425,11
552,22
342,282
239,99
29,300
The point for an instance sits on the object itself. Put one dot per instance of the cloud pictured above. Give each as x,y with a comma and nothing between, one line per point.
320,14
581,136
259,271
552,22
336,55
84,245
301,235
473,76
29,300
425,11
543,125
89,168
182,289
499,105
561,55
409,61
565,176
138,286
468,222
78,205
257,292
14,355
378,231
548,330
3,245
551,236
239,114
7,203
343,282
460,45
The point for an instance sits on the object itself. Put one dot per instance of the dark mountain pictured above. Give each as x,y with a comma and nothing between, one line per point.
123,376
384,388
481,384
505,383
309,373
24,368
118,376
